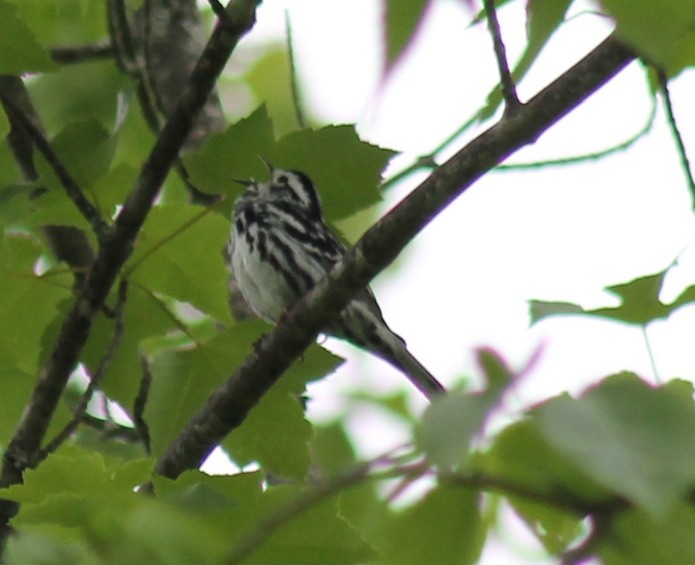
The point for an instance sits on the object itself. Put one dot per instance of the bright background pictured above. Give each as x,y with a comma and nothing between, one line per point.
557,233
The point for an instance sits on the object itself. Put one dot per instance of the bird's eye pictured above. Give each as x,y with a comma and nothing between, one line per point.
283,179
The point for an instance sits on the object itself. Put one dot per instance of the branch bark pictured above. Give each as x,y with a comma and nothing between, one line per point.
117,247
229,405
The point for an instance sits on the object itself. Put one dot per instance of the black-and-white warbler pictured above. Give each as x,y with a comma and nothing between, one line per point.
280,247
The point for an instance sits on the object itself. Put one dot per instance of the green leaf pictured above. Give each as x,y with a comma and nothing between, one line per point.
318,535
331,450
444,527
23,291
143,317
629,437
15,391
346,184
521,456
275,433
451,422
232,155
403,18
314,533
664,32
640,303
179,254
636,538
19,50
43,549
270,80
83,21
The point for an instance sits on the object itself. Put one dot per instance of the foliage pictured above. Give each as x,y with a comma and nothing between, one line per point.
608,473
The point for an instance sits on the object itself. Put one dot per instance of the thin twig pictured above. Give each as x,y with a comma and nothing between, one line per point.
508,87
677,137
73,190
140,404
70,54
81,409
294,82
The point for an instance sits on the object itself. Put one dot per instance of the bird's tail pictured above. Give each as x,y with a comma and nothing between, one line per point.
402,359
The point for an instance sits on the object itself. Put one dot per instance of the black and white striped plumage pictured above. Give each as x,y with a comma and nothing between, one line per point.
280,247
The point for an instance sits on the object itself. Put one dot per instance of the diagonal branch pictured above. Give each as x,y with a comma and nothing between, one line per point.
73,190
117,247
229,405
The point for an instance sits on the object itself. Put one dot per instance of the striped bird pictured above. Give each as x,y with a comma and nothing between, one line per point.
280,247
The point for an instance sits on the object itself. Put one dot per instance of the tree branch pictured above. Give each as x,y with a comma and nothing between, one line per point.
69,54
73,190
118,246
229,405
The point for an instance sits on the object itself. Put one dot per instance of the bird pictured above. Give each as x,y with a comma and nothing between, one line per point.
279,248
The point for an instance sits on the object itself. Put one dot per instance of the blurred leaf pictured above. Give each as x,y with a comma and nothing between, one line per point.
270,80
664,32
402,20
43,549
179,254
94,99
640,303
15,391
555,529
629,437
521,456
64,22
19,50
444,527
331,450
636,538
30,303
452,421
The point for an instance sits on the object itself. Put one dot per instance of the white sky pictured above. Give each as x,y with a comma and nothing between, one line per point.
551,234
